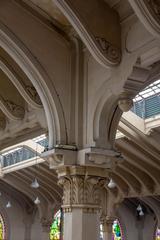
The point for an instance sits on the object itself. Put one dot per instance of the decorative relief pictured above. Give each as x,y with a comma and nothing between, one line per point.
81,191
154,9
155,5
111,52
33,94
15,109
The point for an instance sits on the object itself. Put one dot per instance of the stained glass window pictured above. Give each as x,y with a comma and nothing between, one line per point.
116,230
2,229
56,227
158,234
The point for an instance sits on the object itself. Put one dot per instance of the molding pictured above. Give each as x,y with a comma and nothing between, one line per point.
102,50
148,12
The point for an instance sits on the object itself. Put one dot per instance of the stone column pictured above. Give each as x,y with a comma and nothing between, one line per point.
81,201
107,228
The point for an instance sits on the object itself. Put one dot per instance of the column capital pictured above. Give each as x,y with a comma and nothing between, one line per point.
82,187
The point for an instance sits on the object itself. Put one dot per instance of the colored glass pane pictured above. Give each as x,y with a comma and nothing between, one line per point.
116,230
2,229
55,230
158,234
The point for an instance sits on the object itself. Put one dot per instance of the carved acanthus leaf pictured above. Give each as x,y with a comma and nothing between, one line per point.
81,191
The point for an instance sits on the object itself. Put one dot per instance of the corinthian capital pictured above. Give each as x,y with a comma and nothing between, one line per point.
81,186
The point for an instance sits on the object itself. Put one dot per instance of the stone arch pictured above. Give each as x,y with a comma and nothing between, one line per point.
41,81
106,119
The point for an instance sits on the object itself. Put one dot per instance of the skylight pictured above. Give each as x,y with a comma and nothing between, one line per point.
11,151
152,89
